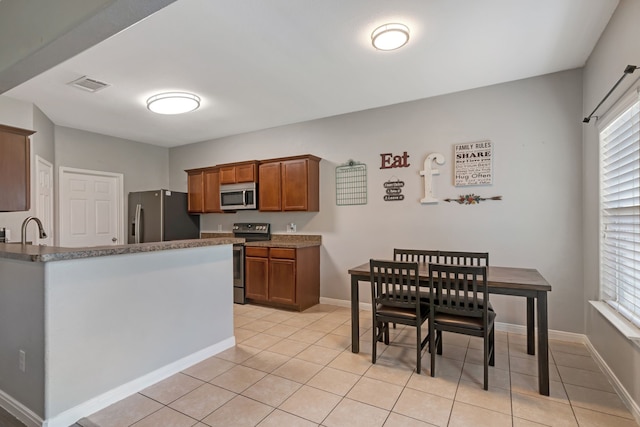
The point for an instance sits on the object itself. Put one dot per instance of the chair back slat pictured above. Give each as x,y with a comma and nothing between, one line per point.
464,258
394,283
416,255
459,289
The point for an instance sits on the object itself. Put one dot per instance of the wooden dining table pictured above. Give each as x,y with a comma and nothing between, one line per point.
522,282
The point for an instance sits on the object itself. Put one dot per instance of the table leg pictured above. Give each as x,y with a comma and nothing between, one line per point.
355,316
531,331
543,344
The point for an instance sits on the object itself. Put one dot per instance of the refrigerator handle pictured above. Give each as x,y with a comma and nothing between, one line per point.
136,223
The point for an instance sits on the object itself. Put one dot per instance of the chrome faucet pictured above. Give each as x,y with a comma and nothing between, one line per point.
41,232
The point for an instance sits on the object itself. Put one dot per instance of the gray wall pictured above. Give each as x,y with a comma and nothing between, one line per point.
535,126
617,48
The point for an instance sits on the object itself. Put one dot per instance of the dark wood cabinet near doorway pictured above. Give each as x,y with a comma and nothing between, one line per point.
15,169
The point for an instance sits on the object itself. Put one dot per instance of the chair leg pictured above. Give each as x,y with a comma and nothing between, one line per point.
439,341
419,348
432,346
386,333
486,362
492,347
376,337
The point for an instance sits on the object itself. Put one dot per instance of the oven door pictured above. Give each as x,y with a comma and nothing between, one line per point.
238,274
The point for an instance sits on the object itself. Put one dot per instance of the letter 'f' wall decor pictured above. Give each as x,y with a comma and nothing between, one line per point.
428,174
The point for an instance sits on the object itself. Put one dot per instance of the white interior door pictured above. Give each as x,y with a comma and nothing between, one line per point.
91,208
44,199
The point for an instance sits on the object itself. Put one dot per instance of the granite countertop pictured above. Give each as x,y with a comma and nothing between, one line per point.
36,253
289,240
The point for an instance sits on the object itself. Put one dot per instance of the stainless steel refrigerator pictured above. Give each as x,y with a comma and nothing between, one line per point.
160,215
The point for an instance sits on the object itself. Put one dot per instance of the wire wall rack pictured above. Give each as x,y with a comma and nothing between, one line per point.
351,184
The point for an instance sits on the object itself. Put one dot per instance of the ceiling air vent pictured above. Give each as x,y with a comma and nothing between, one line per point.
88,84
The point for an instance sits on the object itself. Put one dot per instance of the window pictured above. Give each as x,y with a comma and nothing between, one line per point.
620,212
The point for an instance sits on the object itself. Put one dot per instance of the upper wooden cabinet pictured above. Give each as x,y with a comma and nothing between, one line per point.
204,190
290,184
15,171
234,173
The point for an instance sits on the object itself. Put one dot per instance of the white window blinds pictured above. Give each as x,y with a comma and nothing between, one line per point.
620,213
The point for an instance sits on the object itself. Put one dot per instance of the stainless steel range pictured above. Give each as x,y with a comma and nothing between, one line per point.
251,232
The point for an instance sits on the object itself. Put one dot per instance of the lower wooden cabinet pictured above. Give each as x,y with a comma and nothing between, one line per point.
285,277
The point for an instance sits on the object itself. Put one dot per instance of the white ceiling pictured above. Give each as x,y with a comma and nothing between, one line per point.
258,64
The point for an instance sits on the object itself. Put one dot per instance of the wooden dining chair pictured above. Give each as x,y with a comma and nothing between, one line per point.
416,255
395,299
456,305
464,258
422,256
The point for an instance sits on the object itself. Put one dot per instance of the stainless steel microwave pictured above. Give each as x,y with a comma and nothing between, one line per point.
235,197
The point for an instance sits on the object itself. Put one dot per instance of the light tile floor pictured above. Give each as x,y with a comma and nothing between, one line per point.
297,369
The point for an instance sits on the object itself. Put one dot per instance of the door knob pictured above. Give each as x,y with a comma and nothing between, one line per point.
114,240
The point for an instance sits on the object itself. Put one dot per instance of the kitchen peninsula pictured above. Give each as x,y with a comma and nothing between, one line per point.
82,328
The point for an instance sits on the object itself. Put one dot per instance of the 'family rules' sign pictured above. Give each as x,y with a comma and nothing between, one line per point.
473,163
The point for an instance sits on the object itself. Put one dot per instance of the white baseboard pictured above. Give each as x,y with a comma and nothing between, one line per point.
631,404
344,303
18,410
97,403
337,302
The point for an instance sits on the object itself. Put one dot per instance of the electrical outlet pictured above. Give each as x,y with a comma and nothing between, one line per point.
291,227
22,360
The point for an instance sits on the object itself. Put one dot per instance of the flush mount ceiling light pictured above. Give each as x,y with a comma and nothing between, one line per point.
390,36
173,103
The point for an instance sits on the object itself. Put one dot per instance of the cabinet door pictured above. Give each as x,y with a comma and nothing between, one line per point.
212,191
282,281
256,278
301,185
195,197
294,185
228,175
246,173
15,175
269,188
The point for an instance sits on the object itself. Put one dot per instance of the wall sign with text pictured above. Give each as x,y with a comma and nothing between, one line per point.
393,190
473,163
390,160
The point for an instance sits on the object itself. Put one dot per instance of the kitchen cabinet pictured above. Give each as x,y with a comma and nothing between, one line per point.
15,169
203,190
290,184
235,173
256,274
283,277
